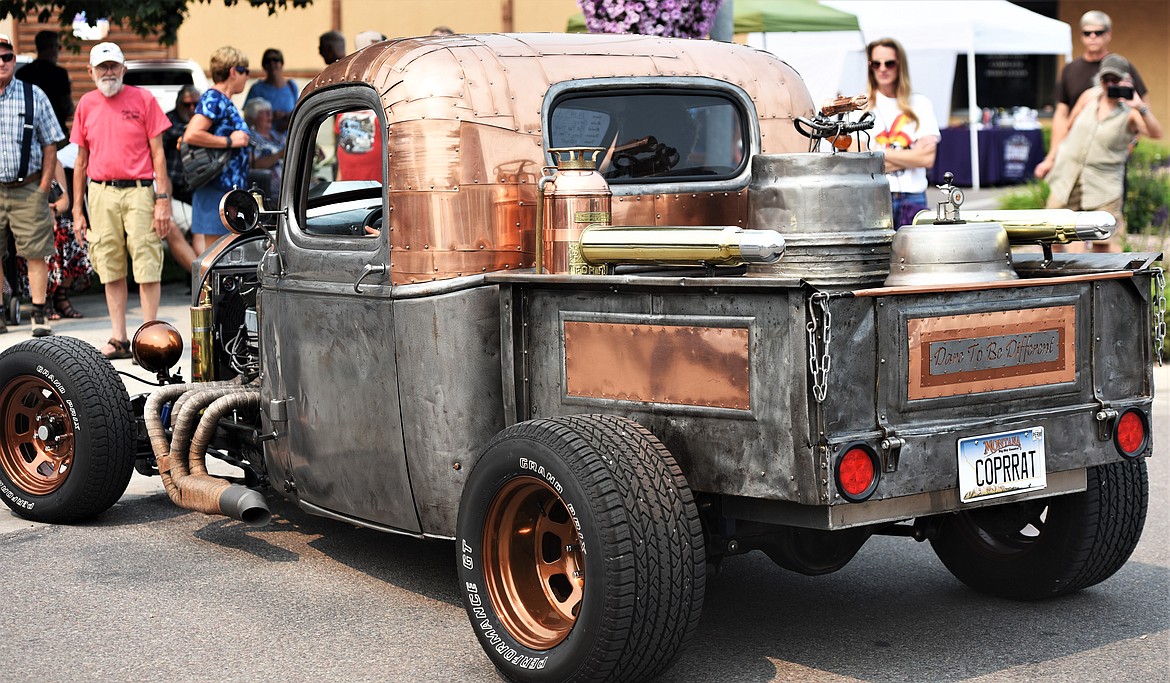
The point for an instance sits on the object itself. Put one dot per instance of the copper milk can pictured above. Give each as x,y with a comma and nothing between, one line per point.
575,197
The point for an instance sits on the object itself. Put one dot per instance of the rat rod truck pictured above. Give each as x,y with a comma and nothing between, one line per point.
533,301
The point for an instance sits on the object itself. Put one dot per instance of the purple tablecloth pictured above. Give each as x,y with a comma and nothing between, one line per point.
1006,156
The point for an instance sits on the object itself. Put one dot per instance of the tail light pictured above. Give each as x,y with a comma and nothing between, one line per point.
1131,436
858,471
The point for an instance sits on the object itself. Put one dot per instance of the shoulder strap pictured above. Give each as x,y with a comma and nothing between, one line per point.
292,88
26,134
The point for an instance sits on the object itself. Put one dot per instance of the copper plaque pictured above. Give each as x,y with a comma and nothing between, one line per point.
675,364
967,354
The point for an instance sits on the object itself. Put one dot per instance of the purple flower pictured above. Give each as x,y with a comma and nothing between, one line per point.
675,18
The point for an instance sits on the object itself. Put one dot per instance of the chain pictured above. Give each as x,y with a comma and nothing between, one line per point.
818,359
1159,313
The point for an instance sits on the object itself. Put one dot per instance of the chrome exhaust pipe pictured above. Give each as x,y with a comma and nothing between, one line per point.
679,245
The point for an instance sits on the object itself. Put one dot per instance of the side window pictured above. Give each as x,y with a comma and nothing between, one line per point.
342,192
669,134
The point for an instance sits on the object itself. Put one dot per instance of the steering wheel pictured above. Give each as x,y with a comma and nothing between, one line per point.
372,221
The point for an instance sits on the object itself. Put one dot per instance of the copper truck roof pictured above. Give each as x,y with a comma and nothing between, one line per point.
466,140
496,79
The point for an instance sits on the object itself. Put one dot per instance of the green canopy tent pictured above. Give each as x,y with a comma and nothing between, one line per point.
766,16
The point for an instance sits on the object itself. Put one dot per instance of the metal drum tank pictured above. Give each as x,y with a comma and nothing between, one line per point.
833,211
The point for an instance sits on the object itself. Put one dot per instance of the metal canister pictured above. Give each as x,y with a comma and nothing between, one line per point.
201,348
833,211
576,197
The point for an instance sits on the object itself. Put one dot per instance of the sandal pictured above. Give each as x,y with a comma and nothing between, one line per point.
119,349
64,306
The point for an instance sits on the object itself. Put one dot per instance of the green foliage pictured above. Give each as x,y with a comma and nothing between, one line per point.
1147,194
144,17
1033,195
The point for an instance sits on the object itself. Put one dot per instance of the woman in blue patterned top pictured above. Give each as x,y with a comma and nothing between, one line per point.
218,123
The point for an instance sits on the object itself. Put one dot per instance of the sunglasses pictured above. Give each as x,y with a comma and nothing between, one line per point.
242,70
1093,34
188,105
889,64
7,57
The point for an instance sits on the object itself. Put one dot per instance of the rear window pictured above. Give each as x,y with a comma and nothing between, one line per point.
158,77
647,135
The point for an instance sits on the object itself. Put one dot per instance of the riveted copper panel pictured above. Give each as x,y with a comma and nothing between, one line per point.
968,354
674,364
464,121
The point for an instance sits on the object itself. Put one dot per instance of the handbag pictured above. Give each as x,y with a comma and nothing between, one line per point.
201,165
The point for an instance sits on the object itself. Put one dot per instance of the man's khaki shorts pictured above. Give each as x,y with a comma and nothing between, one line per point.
120,221
24,210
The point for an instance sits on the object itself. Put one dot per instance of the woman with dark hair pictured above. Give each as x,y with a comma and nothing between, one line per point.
281,92
219,124
906,128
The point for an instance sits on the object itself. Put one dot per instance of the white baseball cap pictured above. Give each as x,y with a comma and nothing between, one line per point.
5,41
106,52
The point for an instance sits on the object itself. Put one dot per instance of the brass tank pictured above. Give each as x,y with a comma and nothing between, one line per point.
575,198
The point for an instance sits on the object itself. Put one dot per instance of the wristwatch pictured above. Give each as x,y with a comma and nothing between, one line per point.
1143,110
161,195
229,142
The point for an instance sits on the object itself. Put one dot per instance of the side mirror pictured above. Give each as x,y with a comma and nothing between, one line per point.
239,211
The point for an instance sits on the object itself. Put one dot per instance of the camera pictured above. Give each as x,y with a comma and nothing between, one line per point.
1121,92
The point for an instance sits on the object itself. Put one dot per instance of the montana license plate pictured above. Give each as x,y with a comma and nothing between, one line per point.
1001,464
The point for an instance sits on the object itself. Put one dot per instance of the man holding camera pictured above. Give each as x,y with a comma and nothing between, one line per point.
1080,75
1086,169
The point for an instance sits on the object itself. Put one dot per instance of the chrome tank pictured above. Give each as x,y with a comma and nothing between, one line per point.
576,197
833,211
926,254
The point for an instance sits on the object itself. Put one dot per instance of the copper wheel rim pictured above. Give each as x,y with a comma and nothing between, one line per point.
36,449
533,564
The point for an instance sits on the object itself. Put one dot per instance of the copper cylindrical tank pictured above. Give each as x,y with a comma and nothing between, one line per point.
576,197
201,346
833,211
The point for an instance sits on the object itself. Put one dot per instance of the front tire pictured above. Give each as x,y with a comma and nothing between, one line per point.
1051,546
580,551
67,446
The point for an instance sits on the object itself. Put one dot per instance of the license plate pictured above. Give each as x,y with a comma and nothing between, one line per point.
1001,464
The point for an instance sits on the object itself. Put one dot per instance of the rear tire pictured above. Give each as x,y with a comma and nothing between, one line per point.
67,445
1052,546
580,551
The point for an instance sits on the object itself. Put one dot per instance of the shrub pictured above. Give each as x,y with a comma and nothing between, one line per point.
1033,195
1147,194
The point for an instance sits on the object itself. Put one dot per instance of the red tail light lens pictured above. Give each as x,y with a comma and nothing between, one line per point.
857,472
1132,434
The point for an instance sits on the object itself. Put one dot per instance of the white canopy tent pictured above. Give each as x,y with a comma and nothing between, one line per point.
933,33
930,29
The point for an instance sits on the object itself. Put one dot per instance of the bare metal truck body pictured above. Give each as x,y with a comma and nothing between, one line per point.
598,379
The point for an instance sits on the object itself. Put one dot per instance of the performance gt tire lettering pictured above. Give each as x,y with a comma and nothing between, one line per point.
630,504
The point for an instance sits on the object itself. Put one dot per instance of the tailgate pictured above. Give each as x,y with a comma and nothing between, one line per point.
1033,361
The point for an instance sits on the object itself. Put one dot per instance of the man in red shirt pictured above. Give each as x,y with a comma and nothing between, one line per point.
118,129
